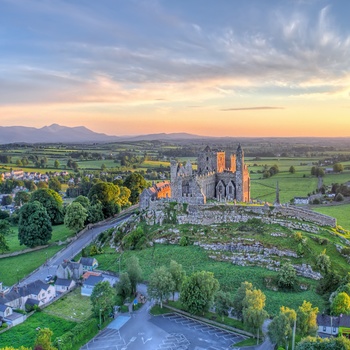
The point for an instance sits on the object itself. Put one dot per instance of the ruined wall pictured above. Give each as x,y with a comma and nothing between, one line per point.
207,214
207,184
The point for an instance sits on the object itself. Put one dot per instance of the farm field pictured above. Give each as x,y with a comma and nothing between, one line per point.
25,333
340,212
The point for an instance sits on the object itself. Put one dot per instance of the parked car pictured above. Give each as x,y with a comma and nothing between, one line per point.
48,278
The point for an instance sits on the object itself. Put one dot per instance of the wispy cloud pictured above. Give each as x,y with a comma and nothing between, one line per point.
249,108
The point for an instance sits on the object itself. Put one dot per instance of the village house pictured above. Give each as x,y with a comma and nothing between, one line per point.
333,326
37,292
69,270
63,285
89,264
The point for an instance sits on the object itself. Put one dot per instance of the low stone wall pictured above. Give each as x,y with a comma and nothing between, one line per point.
207,214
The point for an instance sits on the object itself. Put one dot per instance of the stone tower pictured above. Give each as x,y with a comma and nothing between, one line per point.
239,173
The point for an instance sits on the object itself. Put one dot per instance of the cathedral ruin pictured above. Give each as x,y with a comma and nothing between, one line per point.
219,176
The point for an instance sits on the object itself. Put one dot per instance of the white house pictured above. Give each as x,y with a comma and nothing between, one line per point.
64,285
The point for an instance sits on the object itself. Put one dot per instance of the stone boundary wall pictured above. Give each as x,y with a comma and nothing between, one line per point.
207,214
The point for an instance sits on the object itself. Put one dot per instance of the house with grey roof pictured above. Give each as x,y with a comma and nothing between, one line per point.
37,292
69,270
89,264
332,326
63,285
89,284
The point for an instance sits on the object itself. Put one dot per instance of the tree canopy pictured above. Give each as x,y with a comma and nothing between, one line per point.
136,183
134,271
102,299
161,284
107,194
52,202
75,216
306,319
198,290
34,227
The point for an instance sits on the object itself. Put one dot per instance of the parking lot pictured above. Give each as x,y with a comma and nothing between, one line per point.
140,330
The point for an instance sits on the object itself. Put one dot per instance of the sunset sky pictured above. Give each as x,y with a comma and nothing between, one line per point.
218,68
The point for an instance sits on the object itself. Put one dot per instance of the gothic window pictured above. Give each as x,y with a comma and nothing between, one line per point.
230,190
207,159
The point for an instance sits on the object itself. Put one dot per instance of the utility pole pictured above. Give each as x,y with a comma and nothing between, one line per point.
294,329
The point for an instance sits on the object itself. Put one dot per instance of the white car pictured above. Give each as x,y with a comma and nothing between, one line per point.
48,278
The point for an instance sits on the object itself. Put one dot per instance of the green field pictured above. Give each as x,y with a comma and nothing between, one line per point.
59,233
72,307
340,212
230,276
25,333
17,267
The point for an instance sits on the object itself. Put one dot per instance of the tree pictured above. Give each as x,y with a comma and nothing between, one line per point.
21,198
84,201
292,170
42,185
52,202
161,284
56,164
312,343
198,291
75,216
124,196
253,309
134,271
239,298
43,340
108,195
34,226
178,275
306,319
123,287
136,183
5,227
338,167
254,318
323,262
6,200
95,213
280,329
223,303
102,299
287,276
341,304
3,244
55,185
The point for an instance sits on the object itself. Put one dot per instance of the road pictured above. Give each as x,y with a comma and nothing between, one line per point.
71,250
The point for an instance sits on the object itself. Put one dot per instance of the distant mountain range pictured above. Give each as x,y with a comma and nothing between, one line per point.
80,134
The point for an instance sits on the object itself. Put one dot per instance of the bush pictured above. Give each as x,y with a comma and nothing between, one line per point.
339,197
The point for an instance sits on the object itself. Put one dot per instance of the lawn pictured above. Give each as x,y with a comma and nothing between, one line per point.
25,333
72,307
290,186
59,233
230,276
340,212
17,267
